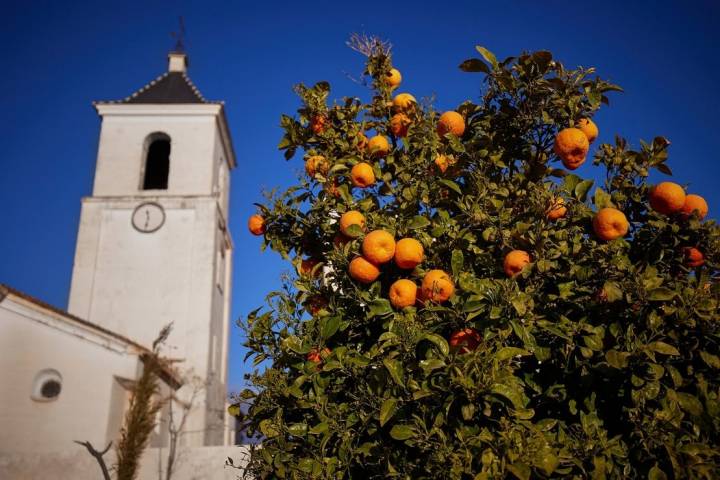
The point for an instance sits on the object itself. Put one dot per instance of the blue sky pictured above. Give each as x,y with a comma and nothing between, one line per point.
58,57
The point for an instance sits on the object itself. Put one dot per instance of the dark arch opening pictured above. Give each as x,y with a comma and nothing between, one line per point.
157,163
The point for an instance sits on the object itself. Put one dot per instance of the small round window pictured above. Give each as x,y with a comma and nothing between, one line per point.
47,385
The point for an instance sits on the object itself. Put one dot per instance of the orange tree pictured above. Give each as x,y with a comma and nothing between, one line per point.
533,323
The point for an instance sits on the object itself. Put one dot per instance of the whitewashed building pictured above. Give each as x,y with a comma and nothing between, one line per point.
153,248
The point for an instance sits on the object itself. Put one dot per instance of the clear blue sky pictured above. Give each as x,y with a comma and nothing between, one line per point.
60,56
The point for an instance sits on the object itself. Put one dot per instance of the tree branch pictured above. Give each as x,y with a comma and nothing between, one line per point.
98,456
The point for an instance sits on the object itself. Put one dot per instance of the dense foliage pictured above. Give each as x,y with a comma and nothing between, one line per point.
600,359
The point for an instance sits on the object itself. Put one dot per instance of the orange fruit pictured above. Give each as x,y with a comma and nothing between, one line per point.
515,261
363,271
589,128
694,203
572,146
378,146
693,257
256,225
465,340
667,198
443,162
403,102
610,223
351,217
362,175
409,253
317,123
399,124
393,78
306,267
451,122
316,356
556,209
437,286
315,164
378,246
403,293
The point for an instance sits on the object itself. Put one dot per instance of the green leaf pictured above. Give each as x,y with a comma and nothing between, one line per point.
602,199
487,55
329,326
656,474
456,262
294,344
387,410
474,65
617,359
298,429
395,369
402,432
664,348
451,185
690,403
418,221
379,306
439,342
612,291
661,294
520,470
510,393
710,359
582,188
354,231
506,353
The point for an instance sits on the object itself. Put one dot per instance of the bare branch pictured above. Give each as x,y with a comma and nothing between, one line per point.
98,456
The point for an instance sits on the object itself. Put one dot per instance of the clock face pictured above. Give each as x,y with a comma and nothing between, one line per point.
148,217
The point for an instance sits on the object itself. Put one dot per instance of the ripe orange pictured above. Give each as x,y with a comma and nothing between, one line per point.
362,175
572,146
393,78
465,340
317,123
610,223
399,124
256,224
693,257
378,146
409,253
378,246
694,203
589,128
404,102
363,271
317,357
403,293
437,286
443,162
351,217
556,209
451,122
515,261
315,164
667,198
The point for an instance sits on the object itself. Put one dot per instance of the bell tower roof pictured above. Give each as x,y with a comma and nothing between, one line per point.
172,87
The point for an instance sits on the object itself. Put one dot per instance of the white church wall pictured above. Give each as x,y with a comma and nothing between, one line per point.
31,341
123,142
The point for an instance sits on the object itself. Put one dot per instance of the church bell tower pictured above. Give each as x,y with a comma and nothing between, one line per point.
153,245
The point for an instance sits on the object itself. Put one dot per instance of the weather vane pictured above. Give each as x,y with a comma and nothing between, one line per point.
179,36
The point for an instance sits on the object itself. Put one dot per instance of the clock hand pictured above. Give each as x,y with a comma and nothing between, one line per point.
147,218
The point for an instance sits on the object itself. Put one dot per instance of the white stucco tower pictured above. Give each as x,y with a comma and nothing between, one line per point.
153,244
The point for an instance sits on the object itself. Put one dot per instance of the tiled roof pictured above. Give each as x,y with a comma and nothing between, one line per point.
170,87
